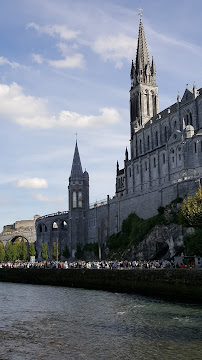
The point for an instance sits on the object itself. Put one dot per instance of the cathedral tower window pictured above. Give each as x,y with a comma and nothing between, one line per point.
157,140
165,134
140,146
148,143
80,199
74,198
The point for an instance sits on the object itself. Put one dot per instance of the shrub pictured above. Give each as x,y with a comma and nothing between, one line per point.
191,210
193,243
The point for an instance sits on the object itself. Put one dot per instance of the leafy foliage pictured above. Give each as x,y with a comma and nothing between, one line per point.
132,232
191,210
44,252
16,251
32,251
66,252
93,247
2,253
193,243
55,250
79,252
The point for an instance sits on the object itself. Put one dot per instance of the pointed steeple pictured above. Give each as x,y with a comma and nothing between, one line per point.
76,172
142,63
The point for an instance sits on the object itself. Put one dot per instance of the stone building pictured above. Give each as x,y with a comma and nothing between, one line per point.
165,162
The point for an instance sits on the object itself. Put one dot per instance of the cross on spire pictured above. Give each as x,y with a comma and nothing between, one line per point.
76,135
140,13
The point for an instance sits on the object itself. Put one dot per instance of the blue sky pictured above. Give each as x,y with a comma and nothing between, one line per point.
64,69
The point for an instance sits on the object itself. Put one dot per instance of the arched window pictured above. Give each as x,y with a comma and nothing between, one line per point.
80,199
154,162
164,158
148,143
187,119
136,105
74,199
40,228
137,169
45,228
55,226
195,148
157,140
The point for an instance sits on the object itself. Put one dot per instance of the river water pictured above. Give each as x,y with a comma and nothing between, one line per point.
44,322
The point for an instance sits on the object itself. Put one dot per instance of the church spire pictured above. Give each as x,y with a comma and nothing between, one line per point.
76,172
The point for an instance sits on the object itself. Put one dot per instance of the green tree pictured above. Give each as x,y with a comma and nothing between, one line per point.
2,253
44,252
55,250
32,251
191,210
17,249
66,252
79,252
193,243
23,251
10,252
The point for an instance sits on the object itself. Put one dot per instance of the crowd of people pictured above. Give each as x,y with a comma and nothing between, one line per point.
105,264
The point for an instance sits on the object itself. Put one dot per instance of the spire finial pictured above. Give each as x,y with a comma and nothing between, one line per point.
76,136
140,13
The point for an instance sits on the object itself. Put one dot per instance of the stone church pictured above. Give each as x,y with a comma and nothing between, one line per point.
165,163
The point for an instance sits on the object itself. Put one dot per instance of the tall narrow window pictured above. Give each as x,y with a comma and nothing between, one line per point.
195,148
187,116
154,162
165,134
80,199
190,116
157,140
148,143
140,146
148,103
164,158
74,199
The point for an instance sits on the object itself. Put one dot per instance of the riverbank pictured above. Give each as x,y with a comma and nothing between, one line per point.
183,285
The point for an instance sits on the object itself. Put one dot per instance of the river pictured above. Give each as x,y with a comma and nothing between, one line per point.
44,322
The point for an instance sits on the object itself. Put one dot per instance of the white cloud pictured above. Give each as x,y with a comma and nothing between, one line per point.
55,30
37,58
5,61
74,61
33,112
115,48
32,183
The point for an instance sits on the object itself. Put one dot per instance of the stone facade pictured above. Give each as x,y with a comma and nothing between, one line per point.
165,163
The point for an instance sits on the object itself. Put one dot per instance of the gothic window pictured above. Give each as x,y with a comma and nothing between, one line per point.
164,158
179,157
80,199
157,140
145,166
165,134
45,229
154,162
148,143
195,148
136,105
55,226
40,228
187,119
153,103
130,172
140,146
64,224
74,199
190,117
147,100
137,169
175,124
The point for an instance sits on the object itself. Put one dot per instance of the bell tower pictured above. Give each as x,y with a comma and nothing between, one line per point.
144,90
78,202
